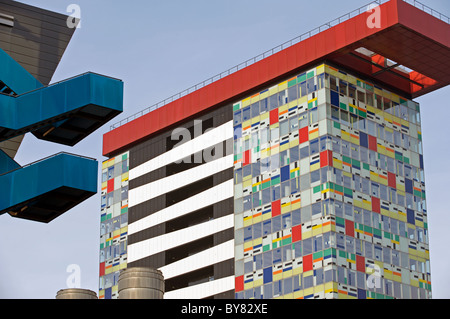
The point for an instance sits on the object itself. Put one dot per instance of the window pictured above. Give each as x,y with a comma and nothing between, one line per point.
255,109
292,93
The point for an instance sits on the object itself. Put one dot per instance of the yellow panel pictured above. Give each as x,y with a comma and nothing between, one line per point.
254,98
264,116
111,162
326,228
286,208
246,102
273,90
277,277
317,230
247,183
395,98
302,100
297,271
264,95
308,291
258,282
289,296
319,288
248,285
282,86
351,79
307,234
247,124
284,147
320,69
287,274
387,94
296,206
298,294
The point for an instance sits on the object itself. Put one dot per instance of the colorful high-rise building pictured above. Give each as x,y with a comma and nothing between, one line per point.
300,175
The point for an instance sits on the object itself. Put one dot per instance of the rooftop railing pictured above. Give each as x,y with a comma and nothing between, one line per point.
274,50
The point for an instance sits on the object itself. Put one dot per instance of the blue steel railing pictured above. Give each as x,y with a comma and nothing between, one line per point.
48,157
274,50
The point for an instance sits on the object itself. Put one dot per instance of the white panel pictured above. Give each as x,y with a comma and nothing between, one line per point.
210,138
151,190
202,290
164,242
203,259
198,201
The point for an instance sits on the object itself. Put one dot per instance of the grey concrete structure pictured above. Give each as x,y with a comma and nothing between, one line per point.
76,293
141,283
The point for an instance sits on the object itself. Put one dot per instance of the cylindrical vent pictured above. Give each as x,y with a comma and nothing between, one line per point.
75,293
141,283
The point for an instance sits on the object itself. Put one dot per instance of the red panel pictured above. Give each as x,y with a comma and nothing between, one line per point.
373,143
274,116
360,263
247,158
110,186
239,283
392,182
307,263
349,228
303,135
326,158
102,269
423,23
376,205
296,233
276,208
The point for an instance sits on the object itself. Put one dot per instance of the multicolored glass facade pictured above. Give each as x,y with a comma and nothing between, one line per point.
329,191
113,224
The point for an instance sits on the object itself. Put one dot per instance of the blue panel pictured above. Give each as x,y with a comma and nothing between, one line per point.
267,275
334,98
361,294
408,186
7,163
410,216
285,173
15,76
238,131
108,293
363,139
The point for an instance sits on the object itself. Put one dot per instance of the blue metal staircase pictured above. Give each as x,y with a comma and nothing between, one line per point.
65,113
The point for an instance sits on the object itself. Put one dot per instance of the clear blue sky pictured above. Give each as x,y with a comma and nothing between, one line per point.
159,48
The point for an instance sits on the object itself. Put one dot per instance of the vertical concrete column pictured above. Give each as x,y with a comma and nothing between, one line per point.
141,283
75,293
